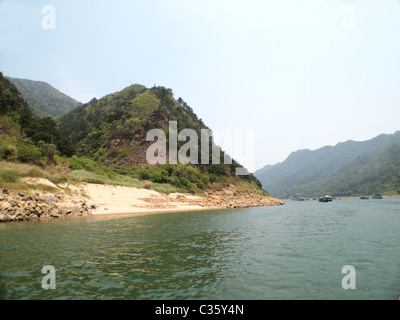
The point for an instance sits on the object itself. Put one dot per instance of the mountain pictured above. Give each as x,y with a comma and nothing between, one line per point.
367,175
24,136
43,98
110,148
15,112
349,168
116,125
105,141
112,132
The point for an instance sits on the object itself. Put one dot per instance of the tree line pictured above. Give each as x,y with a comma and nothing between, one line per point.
34,131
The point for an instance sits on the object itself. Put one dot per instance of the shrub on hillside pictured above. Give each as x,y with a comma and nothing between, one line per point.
28,153
7,150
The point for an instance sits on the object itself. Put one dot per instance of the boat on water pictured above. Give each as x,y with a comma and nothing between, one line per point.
377,196
325,198
364,198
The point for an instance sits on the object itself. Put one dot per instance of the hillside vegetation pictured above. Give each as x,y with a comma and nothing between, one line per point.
44,100
368,175
112,131
104,141
347,169
24,136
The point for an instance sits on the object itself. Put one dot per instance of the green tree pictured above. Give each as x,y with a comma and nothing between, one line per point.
46,129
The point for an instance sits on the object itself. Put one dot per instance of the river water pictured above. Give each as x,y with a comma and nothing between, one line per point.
295,251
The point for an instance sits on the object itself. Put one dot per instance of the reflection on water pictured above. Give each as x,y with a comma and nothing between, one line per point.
126,257
295,251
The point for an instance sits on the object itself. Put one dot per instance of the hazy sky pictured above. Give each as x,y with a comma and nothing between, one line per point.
301,74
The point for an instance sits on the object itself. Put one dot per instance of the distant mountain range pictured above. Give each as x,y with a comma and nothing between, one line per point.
348,169
44,99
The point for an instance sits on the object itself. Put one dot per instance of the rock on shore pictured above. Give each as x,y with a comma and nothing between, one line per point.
106,199
20,207
212,200
227,201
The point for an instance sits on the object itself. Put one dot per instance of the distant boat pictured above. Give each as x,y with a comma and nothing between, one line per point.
325,199
364,198
378,196
297,198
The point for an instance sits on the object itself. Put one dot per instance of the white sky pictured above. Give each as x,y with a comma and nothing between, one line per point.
301,74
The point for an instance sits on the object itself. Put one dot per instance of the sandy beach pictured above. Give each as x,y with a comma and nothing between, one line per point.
99,199
107,199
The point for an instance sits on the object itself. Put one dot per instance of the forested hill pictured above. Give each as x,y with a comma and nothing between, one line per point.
347,169
43,98
104,141
24,136
112,131
368,175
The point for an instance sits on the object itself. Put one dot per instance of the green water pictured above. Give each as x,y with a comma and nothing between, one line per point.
295,251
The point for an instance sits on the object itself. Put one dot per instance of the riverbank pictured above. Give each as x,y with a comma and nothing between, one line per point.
98,199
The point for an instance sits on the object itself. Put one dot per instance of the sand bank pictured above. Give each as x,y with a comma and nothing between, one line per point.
99,199
106,199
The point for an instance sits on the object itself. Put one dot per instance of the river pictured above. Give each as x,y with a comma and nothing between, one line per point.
295,251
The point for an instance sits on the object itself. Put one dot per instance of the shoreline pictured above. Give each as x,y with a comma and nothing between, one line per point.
349,198
105,200
149,212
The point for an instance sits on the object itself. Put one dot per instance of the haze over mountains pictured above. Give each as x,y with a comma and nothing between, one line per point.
348,169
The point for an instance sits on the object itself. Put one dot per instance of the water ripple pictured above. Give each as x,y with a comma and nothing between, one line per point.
290,252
